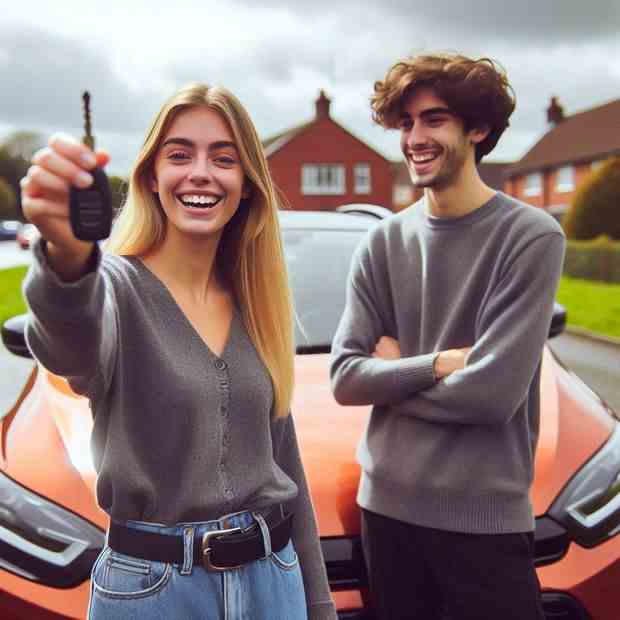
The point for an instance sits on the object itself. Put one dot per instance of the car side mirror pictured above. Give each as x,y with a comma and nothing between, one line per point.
13,336
558,321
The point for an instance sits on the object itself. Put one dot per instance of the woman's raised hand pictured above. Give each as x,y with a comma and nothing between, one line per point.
45,199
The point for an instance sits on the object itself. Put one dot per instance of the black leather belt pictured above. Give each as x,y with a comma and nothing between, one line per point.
216,550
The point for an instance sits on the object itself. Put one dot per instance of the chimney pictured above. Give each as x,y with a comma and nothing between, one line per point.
322,106
555,112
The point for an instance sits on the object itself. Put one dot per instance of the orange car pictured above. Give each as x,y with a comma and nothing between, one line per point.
51,529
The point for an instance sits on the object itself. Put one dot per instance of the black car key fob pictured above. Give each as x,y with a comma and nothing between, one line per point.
90,209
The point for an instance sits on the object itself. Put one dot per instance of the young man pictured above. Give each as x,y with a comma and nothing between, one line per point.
448,308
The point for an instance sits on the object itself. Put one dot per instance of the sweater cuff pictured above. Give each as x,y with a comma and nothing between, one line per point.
52,292
322,611
435,356
416,373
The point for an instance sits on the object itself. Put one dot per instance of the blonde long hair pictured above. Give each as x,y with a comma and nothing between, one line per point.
250,253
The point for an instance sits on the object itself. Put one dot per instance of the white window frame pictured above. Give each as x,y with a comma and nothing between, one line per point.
362,182
565,179
323,179
402,194
533,184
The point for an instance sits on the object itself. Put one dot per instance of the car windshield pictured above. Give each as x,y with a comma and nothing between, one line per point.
318,263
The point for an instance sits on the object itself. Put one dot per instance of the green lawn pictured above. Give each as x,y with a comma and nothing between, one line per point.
592,305
11,301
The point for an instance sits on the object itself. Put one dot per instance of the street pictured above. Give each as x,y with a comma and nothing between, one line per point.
596,363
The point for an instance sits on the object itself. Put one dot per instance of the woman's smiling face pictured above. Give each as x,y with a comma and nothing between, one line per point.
198,173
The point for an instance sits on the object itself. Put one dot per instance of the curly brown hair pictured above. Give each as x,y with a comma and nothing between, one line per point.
477,91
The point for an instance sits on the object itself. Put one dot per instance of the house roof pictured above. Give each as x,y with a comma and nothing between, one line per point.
322,104
492,173
585,136
275,143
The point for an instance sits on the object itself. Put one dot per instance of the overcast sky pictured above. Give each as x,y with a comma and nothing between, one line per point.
276,56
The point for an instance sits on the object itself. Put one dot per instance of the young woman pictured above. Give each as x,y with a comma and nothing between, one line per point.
181,337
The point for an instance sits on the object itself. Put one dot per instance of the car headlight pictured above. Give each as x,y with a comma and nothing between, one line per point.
42,541
589,505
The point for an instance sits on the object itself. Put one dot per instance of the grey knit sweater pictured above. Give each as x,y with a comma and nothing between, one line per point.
179,434
455,454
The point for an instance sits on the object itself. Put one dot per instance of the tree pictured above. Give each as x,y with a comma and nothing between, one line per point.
12,169
16,151
118,190
8,210
23,144
595,209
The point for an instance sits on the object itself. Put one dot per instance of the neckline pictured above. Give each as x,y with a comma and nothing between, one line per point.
444,223
136,260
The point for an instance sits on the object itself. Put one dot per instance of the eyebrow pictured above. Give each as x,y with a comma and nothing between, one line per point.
214,146
430,112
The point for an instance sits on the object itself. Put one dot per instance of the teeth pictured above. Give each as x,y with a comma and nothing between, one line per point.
420,159
197,200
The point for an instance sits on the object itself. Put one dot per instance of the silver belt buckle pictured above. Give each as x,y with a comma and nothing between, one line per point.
206,550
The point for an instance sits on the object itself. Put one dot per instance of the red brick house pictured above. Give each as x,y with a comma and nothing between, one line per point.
320,165
550,172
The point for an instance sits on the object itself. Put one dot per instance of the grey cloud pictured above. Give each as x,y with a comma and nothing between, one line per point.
275,59
578,85
543,22
551,48
347,67
43,76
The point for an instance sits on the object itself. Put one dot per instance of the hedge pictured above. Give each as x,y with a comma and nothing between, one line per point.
598,259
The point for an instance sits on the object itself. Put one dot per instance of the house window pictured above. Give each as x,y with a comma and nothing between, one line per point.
565,179
361,176
402,195
533,184
322,179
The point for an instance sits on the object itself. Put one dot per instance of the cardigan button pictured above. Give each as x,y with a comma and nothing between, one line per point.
220,364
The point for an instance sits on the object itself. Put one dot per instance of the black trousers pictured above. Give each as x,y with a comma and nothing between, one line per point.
420,573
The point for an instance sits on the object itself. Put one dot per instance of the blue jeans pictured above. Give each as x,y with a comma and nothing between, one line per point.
125,587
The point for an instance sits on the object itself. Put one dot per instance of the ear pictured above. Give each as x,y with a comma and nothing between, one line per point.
478,134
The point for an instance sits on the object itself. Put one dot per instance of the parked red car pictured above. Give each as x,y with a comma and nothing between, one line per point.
25,236
51,529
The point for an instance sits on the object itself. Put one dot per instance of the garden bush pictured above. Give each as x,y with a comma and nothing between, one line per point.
8,201
598,259
595,209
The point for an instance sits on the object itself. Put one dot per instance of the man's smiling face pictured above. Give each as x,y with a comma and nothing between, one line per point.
433,140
